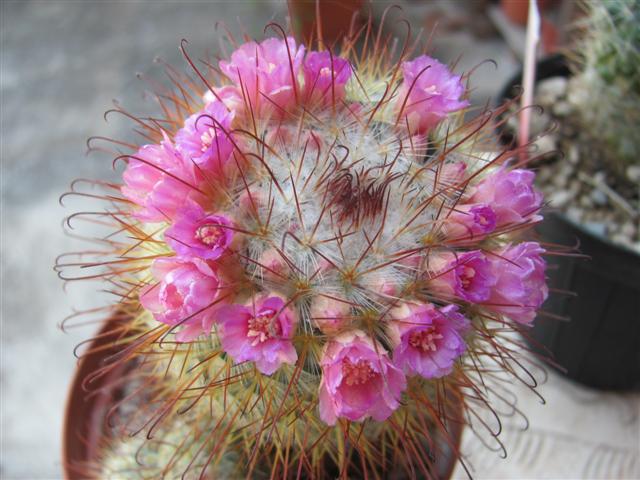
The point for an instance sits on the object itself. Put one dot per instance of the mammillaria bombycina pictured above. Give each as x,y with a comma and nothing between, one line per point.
313,244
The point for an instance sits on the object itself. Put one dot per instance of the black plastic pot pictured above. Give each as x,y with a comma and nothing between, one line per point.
600,345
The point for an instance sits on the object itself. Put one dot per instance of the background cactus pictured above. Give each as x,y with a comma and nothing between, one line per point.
321,262
606,86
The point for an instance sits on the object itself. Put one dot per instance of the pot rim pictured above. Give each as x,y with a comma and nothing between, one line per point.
78,401
595,237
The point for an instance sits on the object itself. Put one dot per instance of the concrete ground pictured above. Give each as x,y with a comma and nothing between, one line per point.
62,63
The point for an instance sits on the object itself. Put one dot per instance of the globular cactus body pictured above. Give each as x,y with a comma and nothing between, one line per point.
318,242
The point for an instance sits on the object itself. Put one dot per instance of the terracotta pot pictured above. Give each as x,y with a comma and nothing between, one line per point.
88,403
335,15
90,400
518,10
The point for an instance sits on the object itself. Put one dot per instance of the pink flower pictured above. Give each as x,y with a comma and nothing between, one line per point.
266,73
330,315
358,380
431,92
452,173
204,139
273,265
325,76
185,296
511,195
260,333
385,285
467,276
198,234
157,180
229,95
470,222
428,340
521,287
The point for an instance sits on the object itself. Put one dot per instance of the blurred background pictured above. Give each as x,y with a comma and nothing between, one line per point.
62,65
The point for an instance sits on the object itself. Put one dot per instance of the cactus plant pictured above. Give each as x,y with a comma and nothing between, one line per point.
320,260
606,85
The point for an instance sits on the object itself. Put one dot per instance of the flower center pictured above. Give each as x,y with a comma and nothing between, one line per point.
357,373
466,276
325,72
172,297
211,235
425,340
431,90
262,327
207,139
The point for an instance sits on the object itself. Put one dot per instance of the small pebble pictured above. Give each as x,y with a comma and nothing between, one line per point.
575,186
559,181
569,130
633,173
629,229
562,175
566,169
600,176
597,228
575,214
562,109
544,174
551,89
560,198
585,201
539,123
545,144
599,198
573,155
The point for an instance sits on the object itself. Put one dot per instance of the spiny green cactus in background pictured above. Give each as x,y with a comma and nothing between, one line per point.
606,88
